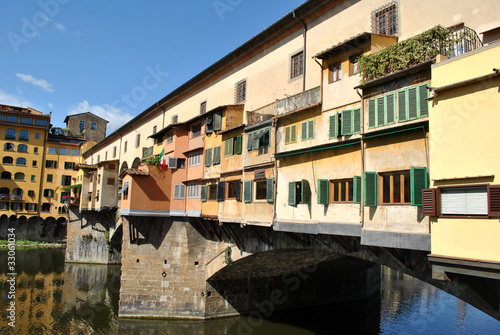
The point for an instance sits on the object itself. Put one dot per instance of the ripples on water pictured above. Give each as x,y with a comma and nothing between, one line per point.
54,298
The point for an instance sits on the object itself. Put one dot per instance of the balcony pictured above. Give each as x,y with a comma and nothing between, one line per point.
299,101
417,50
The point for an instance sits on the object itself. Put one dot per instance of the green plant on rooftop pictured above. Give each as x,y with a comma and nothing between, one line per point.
407,53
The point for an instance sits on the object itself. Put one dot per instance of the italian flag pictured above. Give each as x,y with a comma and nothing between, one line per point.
163,160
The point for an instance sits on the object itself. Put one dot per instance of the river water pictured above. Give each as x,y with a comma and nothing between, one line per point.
57,298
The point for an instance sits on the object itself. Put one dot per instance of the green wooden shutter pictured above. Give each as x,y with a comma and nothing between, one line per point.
293,133
238,190
221,190
304,131
292,195
204,192
247,196
209,124
402,106
371,113
310,129
216,159
357,189
370,189
238,145
228,147
217,121
250,141
270,190
208,157
323,191
306,192
347,122
423,94
334,126
418,182
390,117
357,121
380,111
287,134
412,103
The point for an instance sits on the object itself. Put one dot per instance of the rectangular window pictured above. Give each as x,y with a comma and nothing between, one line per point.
34,163
46,207
412,103
53,150
48,192
124,191
195,159
170,137
233,190
241,91
64,151
353,65
137,140
4,206
93,126
114,152
297,65
11,118
350,121
179,192
341,191
111,181
299,192
307,130
193,191
258,139
175,118
212,192
463,201
37,136
26,120
33,178
261,190
50,178
31,193
395,187
82,126
111,166
40,122
232,146
65,180
203,107
334,73
195,130
75,152
30,207
216,157
125,146
385,20
291,134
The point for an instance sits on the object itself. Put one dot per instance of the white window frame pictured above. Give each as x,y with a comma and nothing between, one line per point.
464,201
179,192
193,191
195,159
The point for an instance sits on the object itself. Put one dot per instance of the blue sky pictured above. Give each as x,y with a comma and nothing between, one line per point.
117,58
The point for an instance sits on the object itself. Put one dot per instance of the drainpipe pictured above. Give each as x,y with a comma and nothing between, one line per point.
305,44
321,82
362,143
274,126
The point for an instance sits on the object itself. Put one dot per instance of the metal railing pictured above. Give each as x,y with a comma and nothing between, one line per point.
464,39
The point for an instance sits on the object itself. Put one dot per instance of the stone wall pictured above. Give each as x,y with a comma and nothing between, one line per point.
33,229
87,240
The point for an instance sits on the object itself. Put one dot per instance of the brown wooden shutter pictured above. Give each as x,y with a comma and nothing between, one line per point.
494,200
429,202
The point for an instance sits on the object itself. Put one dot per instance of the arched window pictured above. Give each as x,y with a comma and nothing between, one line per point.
6,175
22,148
10,134
19,176
9,146
24,135
4,193
21,161
17,194
7,160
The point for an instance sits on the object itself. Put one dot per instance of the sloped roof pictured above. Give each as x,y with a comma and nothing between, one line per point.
134,172
68,116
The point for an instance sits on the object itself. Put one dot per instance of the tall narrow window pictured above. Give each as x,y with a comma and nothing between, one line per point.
297,65
203,107
137,140
335,72
93,126
241,91
10,134
82,126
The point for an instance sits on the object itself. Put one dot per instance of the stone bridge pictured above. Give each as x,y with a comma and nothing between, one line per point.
195,268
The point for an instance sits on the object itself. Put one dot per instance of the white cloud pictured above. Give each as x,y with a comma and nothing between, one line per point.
114,115
51,105
28,78
13,100
59,26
